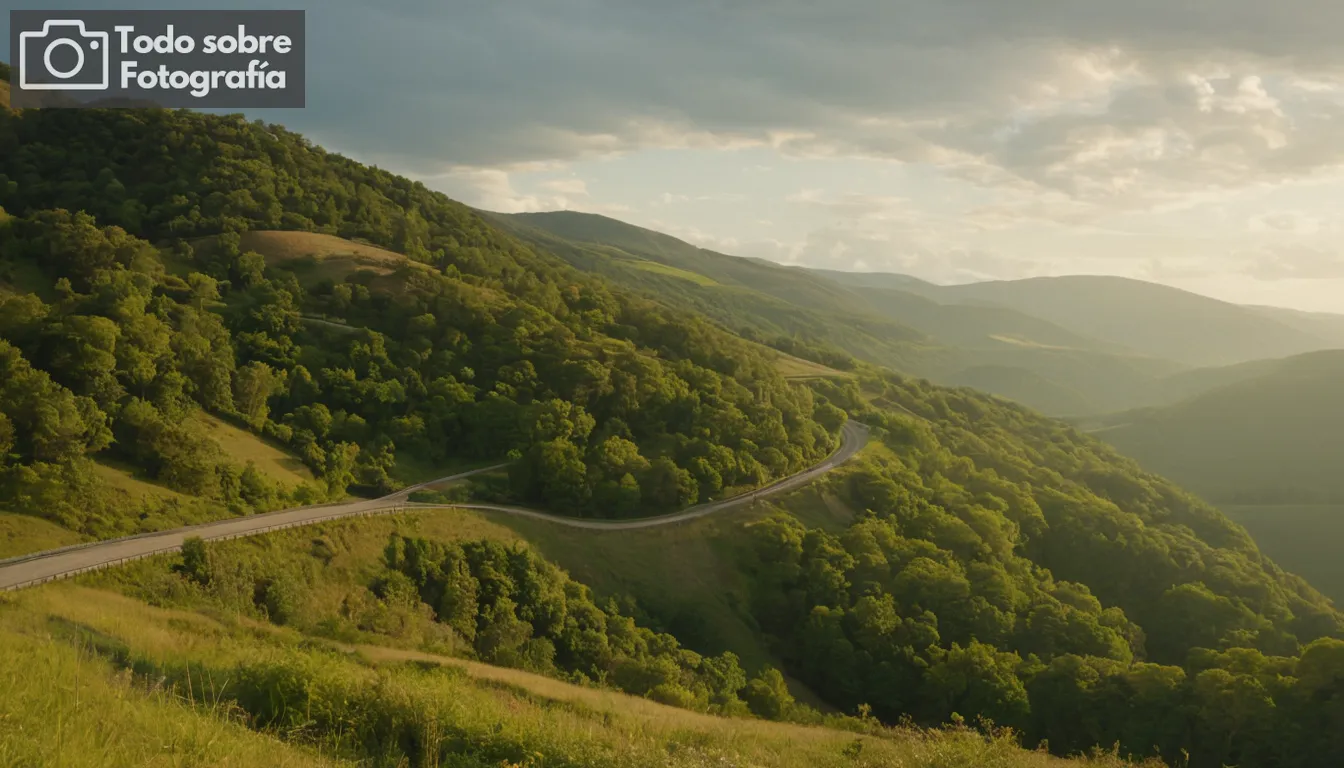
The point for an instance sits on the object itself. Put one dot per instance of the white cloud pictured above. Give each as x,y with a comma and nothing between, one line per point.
493,189
1134,134
1293,262
572,187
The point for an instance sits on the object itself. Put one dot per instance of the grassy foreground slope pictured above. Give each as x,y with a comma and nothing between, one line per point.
138,685
1102,637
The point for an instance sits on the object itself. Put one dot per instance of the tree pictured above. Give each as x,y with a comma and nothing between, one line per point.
204,289
195,560
338,471
553,472
48,422
976,679
665,486
768,695
253,386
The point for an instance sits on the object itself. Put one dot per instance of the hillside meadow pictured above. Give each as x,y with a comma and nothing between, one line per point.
104,680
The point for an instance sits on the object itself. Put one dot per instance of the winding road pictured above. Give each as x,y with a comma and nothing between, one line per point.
41,567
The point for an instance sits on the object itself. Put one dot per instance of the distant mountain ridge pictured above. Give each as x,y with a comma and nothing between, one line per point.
1152,319
1273,433
1067,346
1324,325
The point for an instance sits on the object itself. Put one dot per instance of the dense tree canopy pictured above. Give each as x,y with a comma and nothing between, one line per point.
516,609
131,295
1001,565
1005,566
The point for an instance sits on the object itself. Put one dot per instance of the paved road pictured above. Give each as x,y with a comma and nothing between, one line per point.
29,570
853,437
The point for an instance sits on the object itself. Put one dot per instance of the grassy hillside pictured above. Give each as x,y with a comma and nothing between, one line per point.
22,534
138,686
244,446
1277,437
791,367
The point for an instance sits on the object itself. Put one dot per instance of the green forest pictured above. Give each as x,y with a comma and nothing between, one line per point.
611,404
1003,568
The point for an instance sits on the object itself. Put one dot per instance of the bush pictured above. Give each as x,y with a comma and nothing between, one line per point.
282,598
195,560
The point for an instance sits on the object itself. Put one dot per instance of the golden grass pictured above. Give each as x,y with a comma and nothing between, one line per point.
243,446
791,367
280,246
818,507
73,712
1020,342
21,534
315,256
63,706
665,269
120,478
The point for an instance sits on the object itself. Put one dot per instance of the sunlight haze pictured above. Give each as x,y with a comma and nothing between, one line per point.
955,141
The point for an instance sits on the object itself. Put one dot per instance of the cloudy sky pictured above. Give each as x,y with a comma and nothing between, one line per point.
1198,143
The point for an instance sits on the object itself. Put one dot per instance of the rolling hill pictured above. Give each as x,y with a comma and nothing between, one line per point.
882,319
976,327
754,298
978,562
1323,325
1150,319
1265,441
1275,436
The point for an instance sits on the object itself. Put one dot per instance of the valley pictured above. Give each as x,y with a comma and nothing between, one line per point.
609,499
1304,538
1072,347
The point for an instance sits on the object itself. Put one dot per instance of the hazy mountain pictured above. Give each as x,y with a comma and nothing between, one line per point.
997,349
1324,325
1151,319
792,285
975,326
758,299
875,279
1026,387
1275,436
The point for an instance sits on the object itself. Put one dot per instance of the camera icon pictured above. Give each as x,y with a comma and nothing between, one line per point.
45,58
